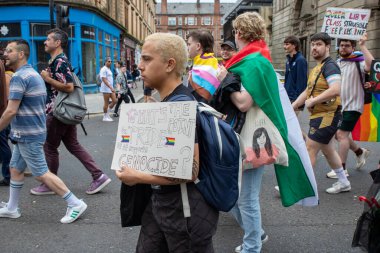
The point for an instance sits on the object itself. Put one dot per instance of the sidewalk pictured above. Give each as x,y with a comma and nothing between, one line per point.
94,102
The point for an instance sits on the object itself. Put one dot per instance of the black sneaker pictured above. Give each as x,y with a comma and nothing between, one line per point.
4,182
116,115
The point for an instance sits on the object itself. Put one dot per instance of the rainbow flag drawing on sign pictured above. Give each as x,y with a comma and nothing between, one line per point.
170,141
367,128
125,138
203,75
296,181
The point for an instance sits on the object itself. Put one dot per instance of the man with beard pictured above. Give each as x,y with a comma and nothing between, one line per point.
26,113
58,77
322,100
352,65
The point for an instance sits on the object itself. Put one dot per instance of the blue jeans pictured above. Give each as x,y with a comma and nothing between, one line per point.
31,155
5,153
247,210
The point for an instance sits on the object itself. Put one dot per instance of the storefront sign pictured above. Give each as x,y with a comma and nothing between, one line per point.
156,138
129,43
346,23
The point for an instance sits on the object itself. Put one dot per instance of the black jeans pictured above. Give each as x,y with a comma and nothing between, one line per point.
124,97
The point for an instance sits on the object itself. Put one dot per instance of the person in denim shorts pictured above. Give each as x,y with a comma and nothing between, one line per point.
26,113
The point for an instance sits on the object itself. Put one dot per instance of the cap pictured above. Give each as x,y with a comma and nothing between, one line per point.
230,44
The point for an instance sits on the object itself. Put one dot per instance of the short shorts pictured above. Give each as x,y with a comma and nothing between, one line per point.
349,119
323,129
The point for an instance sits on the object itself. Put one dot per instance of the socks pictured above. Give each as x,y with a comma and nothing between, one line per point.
359,152
71,199
344,166
14,194
341,176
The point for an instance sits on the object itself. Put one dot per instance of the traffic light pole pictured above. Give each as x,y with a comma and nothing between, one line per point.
51,9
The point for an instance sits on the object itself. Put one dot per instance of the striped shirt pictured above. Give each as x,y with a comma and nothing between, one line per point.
351,92
29,124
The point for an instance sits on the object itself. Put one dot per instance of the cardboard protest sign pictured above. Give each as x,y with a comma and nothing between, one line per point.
156,138
345,23
374,77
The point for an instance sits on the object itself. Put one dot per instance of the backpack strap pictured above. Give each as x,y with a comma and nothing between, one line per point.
185,200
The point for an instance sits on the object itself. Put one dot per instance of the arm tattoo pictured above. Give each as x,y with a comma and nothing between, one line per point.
194,174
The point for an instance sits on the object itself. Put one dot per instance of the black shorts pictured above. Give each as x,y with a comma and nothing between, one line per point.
148,91
323,129
349,120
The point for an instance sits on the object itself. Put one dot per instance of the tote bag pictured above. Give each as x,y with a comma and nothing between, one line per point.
262,141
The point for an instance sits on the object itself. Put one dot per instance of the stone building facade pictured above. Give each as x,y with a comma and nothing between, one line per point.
304,18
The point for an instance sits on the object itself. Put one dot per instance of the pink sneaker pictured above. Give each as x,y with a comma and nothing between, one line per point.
41,190
98,184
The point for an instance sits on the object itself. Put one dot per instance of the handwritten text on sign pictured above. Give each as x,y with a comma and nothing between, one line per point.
346,23
156,138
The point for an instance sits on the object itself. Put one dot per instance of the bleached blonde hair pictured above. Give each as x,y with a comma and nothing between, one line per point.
250,25
171,46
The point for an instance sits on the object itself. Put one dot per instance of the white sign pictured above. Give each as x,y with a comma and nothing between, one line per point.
156,138
346,23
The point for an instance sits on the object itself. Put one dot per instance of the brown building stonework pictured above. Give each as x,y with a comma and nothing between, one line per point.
303,18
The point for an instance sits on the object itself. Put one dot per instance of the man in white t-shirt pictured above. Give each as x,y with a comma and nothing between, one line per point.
107,89
353,65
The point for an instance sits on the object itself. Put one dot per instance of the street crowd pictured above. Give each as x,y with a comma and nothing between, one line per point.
332,92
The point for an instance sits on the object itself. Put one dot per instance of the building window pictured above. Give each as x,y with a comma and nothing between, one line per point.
158,21
190,21
180,32
107,38
100,36
179,20
89,62
206,21
88,32
221,35
10,30
172,21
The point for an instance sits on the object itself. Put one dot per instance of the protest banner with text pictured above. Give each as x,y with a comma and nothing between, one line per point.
345,23
156,138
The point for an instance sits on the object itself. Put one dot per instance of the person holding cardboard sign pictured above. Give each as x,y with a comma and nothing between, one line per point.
353,64
164,225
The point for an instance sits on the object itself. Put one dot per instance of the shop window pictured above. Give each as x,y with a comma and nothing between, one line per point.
100,36
88,32
107,39
42,57
115,56
88,62
108,52
100,56
8,30
40,30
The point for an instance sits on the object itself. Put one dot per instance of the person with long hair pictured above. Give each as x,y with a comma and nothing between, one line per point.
260,136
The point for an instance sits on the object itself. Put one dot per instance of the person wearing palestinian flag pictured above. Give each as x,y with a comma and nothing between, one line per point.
260,86
353,65
203,79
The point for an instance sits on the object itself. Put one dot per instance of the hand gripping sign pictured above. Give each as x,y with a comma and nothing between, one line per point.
345,23
156,138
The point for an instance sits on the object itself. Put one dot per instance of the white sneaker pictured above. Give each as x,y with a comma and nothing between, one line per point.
360,160
73,212
339,187
3,204
5,213
277,188
107,118
333,175
239,248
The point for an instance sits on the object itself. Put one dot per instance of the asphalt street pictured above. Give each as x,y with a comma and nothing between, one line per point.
326,228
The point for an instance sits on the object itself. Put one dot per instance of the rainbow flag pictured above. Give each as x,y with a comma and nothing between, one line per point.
296,181
367,128
125,138
203,75
170,141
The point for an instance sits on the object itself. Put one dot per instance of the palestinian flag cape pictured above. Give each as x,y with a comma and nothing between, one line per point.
296,181
202,77
367,128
